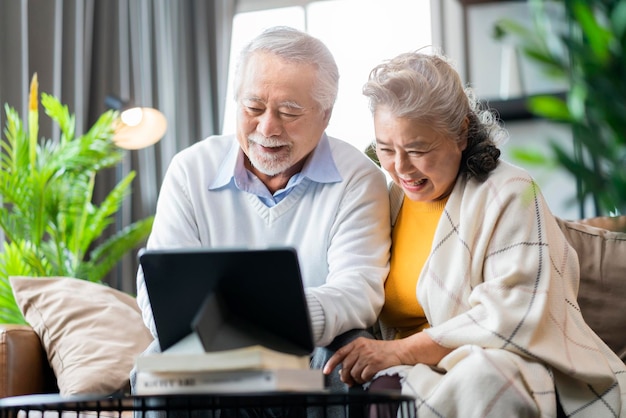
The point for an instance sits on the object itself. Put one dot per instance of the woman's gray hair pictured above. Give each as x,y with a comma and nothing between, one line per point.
294,45
426,88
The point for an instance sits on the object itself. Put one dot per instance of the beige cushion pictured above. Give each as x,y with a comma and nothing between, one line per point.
602,292
90,332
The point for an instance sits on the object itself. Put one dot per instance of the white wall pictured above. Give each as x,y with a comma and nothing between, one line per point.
488,63
496,69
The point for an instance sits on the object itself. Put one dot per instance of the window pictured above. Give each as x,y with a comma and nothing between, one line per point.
359,33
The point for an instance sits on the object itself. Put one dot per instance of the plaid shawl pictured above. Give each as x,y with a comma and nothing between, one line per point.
500,286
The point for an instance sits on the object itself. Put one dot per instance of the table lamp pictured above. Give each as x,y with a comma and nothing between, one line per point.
137,127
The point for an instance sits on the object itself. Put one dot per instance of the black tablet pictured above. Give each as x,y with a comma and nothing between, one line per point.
231,297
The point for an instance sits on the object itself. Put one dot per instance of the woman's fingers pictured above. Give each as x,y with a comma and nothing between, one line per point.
359,361
333,362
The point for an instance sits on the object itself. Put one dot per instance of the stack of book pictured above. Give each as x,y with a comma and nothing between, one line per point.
247,369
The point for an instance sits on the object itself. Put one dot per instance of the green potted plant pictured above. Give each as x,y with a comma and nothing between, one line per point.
586,47
50,223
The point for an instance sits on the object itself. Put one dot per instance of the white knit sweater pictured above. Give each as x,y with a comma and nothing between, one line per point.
340,230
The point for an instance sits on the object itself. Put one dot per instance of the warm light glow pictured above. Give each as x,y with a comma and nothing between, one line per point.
132,117
139,128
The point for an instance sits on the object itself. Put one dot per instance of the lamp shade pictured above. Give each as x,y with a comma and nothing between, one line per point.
136,127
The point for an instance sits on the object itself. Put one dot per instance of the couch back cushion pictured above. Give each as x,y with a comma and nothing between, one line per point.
602,291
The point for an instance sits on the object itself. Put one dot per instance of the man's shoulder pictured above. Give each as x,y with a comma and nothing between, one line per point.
358,171
347,155
343,145
213,141
214,146
201,159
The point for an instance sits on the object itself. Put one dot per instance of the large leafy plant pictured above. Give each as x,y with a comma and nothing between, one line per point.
586,47
51,225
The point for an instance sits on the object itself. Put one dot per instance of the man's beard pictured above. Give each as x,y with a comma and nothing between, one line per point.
270,164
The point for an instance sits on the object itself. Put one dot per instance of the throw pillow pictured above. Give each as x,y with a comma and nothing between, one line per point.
90,332
602,290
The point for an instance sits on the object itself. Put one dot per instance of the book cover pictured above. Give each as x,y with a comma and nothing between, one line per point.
158,383
254,357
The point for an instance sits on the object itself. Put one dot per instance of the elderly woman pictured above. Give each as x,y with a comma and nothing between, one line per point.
480,314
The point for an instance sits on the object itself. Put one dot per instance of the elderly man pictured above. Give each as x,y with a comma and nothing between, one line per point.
280,180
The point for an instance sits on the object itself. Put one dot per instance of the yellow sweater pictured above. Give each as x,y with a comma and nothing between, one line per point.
412,239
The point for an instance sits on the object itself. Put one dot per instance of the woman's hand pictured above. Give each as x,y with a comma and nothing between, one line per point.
362,358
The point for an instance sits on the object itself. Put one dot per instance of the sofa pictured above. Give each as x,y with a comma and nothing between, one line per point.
41,357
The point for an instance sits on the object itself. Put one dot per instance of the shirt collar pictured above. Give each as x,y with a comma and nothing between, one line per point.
320,167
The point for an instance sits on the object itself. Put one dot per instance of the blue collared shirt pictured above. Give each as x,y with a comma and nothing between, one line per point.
320,167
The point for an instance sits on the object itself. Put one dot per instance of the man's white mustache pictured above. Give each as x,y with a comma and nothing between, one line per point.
267,142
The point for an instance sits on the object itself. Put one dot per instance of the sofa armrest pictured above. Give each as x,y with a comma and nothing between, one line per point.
24,367
610,223
602,291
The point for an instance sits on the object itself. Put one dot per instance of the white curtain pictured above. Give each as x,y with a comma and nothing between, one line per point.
167,54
